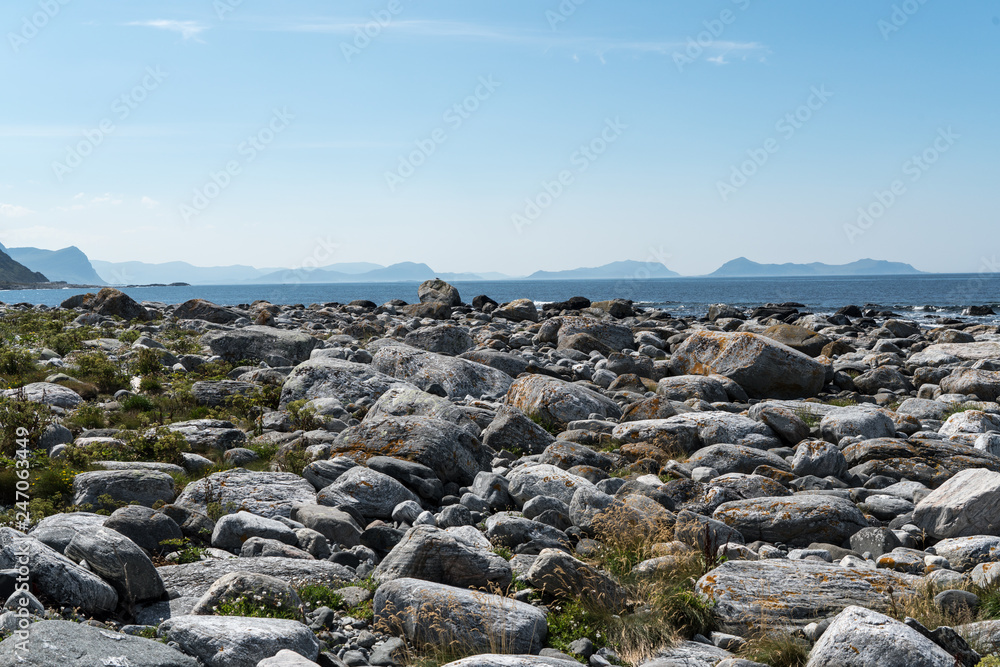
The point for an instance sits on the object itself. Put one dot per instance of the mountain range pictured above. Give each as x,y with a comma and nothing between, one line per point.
71,265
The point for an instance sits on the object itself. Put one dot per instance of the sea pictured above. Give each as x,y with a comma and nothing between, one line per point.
925,296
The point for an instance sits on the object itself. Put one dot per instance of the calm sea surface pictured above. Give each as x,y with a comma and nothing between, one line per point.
912,296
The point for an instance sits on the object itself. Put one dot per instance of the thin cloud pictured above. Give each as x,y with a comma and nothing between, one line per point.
12,211
187,29
149,202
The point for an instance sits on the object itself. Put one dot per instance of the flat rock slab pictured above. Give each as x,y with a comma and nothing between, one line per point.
689,654
930,462
70,644
194,579
238,641
500,660
267,494
257,343
794,520
789,594
966,351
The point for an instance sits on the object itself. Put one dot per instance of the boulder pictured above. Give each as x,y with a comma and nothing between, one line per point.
47,393
120,562
238,641
58,578
781,594
408,401
327,377
504,660
438,291
58,530
333,524
69,644
209,435
446,557
970,422
214,393
452,452
442,339
965,505
541,479
819,458
884,377
795,520
511,364
192,580
512,430
734,458
862,421
553,403
762,366
964,553
236,585
984,384
798,338
561,575
684,387
232,530
442,615
373,494
458,377
267,494
257,343
859,637
616,337
199,309
518,310
111,302
123,486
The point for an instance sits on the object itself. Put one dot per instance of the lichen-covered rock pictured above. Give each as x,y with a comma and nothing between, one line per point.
554,403
47,393
785,594
445,557
796,520
458,377
58,578
123,486
267,494
860,637
328,377
763,367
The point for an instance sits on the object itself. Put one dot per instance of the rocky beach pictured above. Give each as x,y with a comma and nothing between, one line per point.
483,484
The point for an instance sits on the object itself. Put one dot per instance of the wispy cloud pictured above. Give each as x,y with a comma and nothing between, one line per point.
598,46
82,201
12,211
149,202
187,29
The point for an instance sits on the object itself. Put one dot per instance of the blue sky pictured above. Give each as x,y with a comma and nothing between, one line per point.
506,136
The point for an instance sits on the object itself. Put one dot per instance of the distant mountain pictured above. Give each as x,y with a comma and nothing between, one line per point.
15,272
142,273
612,271
742,267
70,264
335,273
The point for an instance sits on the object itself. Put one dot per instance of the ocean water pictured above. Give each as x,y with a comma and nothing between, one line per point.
931,295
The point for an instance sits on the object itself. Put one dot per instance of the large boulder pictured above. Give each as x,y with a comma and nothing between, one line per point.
965,505
542,479
238,641
192,580
328,377
58,578
554,403
452,452
425,612
795,520
438,291
734,458
199,309
335,525
971,422
518,310
614,336
447,339
560,574
58,530
445,557
456,376
860,637
984,384
798,338
864,421
257,343
47,393
144,487
232,530
209,435
373,494
69,644
405,401
267,494
114,303
781,594
512,430
119,561
762,366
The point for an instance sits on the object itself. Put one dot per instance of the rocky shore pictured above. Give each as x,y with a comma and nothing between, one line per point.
496,485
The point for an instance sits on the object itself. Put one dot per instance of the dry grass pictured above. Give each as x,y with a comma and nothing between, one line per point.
776,649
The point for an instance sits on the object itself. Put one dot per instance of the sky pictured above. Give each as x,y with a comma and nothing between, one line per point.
502,136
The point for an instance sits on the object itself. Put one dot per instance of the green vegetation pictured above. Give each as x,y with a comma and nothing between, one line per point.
20,414
257,608
160,445
777,650
315,596
186,551
96,368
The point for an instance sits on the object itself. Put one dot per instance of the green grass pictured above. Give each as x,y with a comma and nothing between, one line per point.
315,596
244,606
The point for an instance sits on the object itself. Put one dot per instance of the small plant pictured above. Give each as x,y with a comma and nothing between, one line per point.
303,418
777,650
96,368
147,362
129,336
315,596
18,413
571,620
151,385
811,420
256,607
17,367
185,550
87,416
137,403
161,445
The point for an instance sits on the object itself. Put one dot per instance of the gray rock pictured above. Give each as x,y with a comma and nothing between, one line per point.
325,472
58,578
432,554
860,637
336,526
257,343
329,378
876,541
445,615
405,401
371,493
214,393
144,526
864,421
984,384
79,645
970,422
452,452
614,336
689,654
518,310
442,339
511,531
120,562
760,365
787,423
512,430
542,479
191,580
560,574
248,585
238,641
786,594
58,530
964,553
286,658
726,428
511,364
734,458
47,393
668,435
124,486
555,403
438,291
266,494
503,660
458,377
262,547
209,435
965,505
796,521
683,387
232,530
819,458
